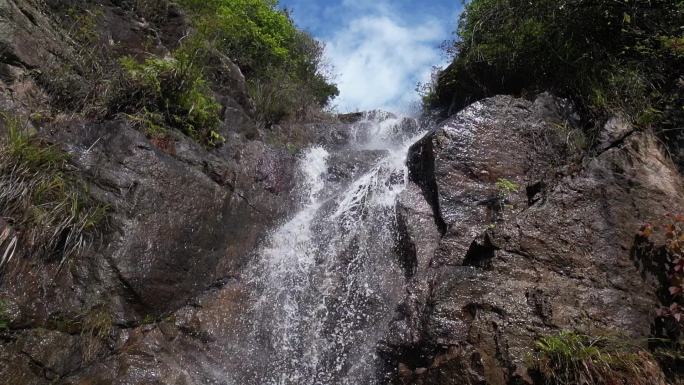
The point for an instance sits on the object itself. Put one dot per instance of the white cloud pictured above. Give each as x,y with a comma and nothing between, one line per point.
379,58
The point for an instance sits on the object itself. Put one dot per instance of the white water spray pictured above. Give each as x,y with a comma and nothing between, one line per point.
328,280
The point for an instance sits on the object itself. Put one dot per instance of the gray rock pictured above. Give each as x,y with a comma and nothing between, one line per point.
498,282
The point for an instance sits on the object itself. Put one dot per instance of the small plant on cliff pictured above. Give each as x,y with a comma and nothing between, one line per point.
507,186
660,248
96,327
42,198
570,358
173,91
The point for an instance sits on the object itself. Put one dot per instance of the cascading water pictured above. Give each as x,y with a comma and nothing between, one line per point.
328,280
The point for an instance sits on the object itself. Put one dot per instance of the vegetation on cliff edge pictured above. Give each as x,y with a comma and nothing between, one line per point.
284,66
181,89
610,56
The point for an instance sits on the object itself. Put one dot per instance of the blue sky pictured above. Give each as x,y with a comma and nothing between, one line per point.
379,49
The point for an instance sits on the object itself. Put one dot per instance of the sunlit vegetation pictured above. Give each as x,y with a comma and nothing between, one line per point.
506,186
570,358
171,92
284,66
286,76
611,57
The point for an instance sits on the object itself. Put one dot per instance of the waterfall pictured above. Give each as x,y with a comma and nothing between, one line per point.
328,280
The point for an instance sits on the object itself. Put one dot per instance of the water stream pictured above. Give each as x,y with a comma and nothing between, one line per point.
329,279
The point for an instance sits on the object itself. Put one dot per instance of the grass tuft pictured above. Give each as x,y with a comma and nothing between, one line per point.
44,200
96,327
172,92
570,358
507,186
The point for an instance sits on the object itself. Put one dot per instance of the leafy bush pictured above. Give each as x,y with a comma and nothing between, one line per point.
611,57
284,66
254,32
42,198
660,251
171,92
570,358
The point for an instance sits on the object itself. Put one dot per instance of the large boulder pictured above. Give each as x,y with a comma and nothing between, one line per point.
511,265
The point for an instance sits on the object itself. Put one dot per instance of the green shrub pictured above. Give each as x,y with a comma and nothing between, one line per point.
283,65
570,358
611,57
43,199
171,92
277,59
254,32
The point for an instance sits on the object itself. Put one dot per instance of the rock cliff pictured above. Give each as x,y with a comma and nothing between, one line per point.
495,270
507,230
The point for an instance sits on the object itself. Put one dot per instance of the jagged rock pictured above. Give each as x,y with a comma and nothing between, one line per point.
349,164
27,37
184,218
563,262
181,221
458,165
331,135
419,232
40,356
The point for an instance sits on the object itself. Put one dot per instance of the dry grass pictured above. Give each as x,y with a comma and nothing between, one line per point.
96,327
44,201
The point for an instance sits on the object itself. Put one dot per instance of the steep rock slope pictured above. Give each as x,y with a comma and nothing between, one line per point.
497,267
159,299
182,217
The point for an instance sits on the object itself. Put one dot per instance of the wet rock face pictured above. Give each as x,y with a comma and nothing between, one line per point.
180,221
489,266
180,225
184,219
459,165
514,265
